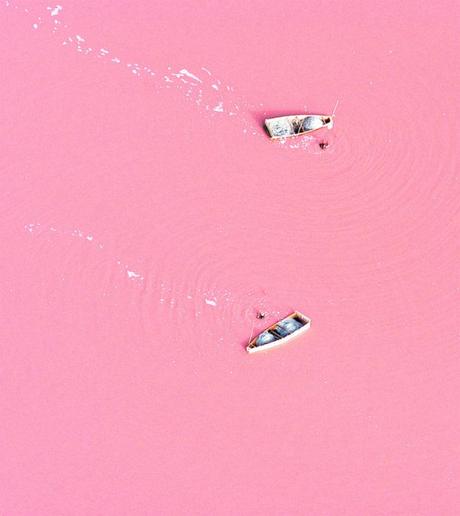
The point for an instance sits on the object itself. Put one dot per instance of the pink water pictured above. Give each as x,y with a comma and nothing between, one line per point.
146,218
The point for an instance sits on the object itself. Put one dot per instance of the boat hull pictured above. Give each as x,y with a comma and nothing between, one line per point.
297,125
252,347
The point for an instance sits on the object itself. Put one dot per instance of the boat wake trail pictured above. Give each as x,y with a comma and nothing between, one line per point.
212,96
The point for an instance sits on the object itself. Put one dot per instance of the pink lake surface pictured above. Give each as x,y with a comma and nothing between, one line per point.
146,218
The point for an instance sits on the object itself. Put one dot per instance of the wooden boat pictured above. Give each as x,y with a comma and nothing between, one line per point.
296,125
283,331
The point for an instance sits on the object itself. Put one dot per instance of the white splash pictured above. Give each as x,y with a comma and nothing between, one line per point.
55,11
207,92
35,227
219,108
189,74
31,227
133,274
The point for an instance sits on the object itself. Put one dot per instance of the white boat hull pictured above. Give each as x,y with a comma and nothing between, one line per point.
297,125
252,347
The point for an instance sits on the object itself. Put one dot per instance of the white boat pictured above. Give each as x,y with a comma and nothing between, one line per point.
296,125
284,331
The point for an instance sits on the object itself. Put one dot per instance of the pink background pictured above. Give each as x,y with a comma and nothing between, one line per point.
146,217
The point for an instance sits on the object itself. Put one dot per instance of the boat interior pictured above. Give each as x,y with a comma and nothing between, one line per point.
299,121
280,330
288,325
